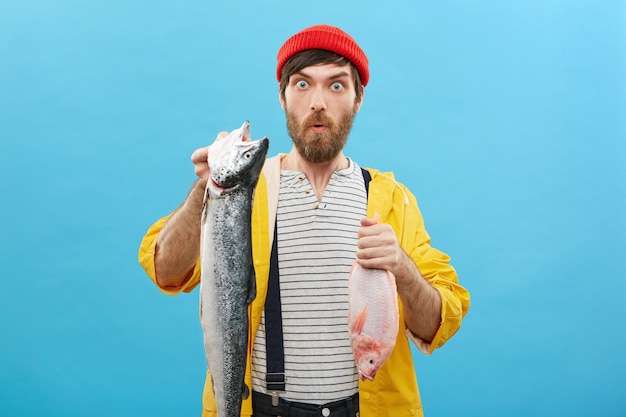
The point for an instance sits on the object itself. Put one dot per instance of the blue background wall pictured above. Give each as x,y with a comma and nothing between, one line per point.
506,119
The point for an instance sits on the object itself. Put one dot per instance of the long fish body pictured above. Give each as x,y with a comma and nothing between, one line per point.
227,285
373,318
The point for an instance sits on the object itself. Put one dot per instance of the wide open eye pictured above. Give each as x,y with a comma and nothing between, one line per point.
336,87
301,84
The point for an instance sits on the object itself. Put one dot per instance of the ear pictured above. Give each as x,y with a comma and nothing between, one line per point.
358,104
280,99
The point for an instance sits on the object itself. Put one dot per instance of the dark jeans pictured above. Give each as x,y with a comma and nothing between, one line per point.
262,406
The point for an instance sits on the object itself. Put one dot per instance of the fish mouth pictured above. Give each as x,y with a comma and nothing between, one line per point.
231,158
365,376
218,190
245,133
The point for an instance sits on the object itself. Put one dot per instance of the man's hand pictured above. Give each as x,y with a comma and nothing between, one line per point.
200,160
178,243
377,246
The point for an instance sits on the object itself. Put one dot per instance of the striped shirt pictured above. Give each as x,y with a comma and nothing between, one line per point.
316,249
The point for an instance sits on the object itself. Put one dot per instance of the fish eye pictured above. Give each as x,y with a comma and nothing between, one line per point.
247,155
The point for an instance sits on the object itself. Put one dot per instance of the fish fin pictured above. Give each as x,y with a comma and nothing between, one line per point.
359,321
353,267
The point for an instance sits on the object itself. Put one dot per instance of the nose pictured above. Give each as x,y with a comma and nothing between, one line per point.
318,101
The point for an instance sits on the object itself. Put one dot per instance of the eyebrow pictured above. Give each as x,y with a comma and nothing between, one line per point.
341,74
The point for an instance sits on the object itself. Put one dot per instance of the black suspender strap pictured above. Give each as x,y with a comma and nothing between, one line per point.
366,178
274,348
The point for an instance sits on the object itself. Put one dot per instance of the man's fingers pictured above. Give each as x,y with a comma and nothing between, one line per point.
200,155
370,221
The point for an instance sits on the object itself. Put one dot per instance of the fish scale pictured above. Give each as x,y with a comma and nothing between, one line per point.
227,284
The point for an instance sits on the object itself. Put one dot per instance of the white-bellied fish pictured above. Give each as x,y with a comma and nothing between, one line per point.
373,317
227,285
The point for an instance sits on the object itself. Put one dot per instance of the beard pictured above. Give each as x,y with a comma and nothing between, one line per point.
320,147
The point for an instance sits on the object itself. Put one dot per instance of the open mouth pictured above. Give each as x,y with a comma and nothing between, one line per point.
318,127
217,189
365,377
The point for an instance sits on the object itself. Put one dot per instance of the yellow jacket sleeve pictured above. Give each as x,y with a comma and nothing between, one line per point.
147,251
398,207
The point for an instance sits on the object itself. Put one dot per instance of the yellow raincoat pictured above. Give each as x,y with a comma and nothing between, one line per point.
394,391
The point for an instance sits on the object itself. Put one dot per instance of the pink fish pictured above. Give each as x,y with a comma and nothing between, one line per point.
372,318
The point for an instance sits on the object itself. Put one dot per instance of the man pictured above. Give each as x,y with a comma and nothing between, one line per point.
324,215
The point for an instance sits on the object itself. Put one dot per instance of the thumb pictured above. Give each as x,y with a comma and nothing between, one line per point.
370,221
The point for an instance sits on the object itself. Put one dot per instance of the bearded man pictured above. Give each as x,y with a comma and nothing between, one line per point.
315,209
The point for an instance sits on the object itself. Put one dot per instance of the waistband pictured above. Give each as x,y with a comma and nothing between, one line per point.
347,407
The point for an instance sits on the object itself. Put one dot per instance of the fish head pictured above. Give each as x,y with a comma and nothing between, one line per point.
369,356
236,161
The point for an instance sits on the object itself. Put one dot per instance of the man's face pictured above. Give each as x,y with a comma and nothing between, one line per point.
320,107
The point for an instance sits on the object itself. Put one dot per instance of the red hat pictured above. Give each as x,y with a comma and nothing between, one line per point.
325,37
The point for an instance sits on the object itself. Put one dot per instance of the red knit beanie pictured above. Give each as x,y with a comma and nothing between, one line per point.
325,37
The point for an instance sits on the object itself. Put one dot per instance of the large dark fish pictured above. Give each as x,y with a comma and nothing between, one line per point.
227,285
